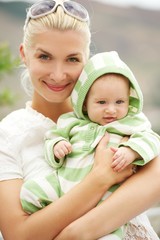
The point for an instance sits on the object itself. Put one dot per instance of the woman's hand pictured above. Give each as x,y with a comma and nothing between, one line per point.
119,207
104,175
102,165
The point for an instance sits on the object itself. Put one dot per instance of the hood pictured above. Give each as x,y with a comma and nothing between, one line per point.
98,65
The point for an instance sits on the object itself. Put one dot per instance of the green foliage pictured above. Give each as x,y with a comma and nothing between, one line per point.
7,64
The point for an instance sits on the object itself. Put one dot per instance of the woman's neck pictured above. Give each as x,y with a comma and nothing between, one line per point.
51,110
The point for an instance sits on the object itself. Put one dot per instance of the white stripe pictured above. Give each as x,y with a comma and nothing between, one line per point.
154,139
64,122
98,62
96,141
128,129
74,96
76,129
80,162
115,138
146,148
28,196
83,77
79,144
66,185
48,189
133,93
106,195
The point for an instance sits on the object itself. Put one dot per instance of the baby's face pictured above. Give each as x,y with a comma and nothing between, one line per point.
108,99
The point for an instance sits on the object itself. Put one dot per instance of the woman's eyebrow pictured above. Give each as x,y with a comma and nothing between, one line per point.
43,51
76,54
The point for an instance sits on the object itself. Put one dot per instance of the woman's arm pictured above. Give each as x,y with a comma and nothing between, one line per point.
134,196
50,221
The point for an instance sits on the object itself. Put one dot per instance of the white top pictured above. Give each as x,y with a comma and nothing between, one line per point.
22,144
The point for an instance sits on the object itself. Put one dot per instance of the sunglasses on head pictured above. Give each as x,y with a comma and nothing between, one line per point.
43,8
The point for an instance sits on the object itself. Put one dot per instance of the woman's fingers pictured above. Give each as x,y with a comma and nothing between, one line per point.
104,141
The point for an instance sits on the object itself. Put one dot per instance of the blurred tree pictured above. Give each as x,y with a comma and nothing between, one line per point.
7,64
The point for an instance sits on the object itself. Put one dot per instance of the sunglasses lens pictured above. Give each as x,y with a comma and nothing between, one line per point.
42,8
75,9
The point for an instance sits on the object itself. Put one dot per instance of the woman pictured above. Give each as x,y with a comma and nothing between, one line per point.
54,49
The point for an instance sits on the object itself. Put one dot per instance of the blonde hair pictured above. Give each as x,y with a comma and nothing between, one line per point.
58,20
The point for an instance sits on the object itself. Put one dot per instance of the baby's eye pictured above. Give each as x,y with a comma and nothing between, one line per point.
101,102
119,101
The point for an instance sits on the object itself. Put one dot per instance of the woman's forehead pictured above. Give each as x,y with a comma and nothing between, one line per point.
60,40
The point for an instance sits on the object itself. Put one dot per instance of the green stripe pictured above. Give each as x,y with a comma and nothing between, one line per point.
54,182
119,233
74,174
29,207
33,187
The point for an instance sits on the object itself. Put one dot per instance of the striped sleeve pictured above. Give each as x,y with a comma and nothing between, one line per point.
145,142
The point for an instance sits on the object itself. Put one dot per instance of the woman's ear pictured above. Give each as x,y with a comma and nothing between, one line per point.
22,54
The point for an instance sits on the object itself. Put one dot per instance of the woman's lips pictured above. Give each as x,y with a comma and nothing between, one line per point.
56,88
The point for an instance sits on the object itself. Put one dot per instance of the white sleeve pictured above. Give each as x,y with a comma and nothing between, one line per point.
9,165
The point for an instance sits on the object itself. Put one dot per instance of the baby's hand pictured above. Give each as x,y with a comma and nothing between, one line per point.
61,149
123,157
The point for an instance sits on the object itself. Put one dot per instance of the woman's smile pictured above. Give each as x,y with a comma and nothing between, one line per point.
57,88
55,63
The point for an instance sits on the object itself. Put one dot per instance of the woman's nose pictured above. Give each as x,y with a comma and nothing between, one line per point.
58,74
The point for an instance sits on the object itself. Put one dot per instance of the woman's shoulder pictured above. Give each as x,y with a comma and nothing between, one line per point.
22,120
13,119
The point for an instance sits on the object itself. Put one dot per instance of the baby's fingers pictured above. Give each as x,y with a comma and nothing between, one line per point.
119,167
68,147
59,154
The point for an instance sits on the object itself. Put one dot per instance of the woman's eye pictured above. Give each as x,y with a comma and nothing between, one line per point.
44,57
73,59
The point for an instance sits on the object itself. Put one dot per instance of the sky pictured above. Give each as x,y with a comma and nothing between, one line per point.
148,4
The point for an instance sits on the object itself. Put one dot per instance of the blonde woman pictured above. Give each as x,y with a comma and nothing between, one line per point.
54,50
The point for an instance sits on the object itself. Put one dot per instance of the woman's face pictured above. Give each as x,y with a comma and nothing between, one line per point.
55,62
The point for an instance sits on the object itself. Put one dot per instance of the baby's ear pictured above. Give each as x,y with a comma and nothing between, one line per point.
84,108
